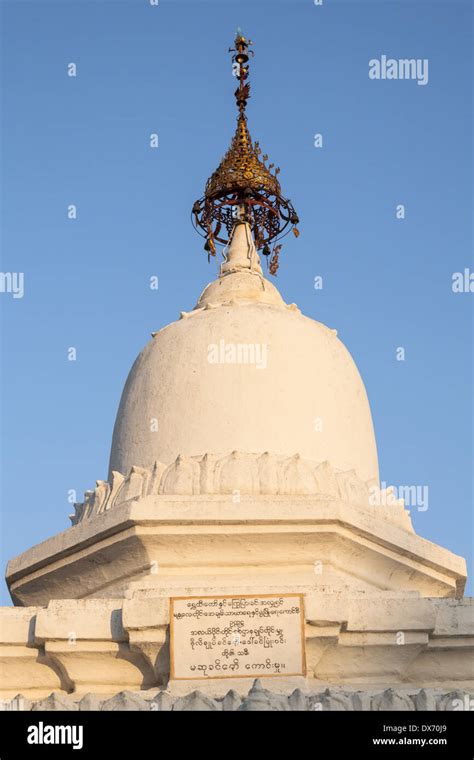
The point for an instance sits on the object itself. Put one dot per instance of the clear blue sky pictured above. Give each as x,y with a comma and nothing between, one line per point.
165,69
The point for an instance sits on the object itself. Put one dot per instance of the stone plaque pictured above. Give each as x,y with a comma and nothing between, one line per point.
239,636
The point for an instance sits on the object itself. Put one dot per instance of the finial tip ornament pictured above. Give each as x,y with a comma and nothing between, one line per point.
243,188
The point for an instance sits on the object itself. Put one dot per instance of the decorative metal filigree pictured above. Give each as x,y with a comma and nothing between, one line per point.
243,188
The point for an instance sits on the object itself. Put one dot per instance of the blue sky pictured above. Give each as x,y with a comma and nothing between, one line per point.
387,282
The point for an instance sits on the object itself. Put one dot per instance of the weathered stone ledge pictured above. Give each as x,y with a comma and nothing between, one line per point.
105,646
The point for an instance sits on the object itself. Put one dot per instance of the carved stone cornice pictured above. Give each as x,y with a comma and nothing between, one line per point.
239,474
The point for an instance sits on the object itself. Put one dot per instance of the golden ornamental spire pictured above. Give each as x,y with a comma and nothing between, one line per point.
243,188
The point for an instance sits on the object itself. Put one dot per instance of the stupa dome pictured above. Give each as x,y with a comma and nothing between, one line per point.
244,371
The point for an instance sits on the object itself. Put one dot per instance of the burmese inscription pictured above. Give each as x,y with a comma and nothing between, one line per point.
237,636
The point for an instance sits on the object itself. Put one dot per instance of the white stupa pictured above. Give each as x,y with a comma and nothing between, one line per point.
294,388
243,462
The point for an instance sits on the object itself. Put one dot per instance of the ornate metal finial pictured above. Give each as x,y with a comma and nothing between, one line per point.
243,188
240,70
